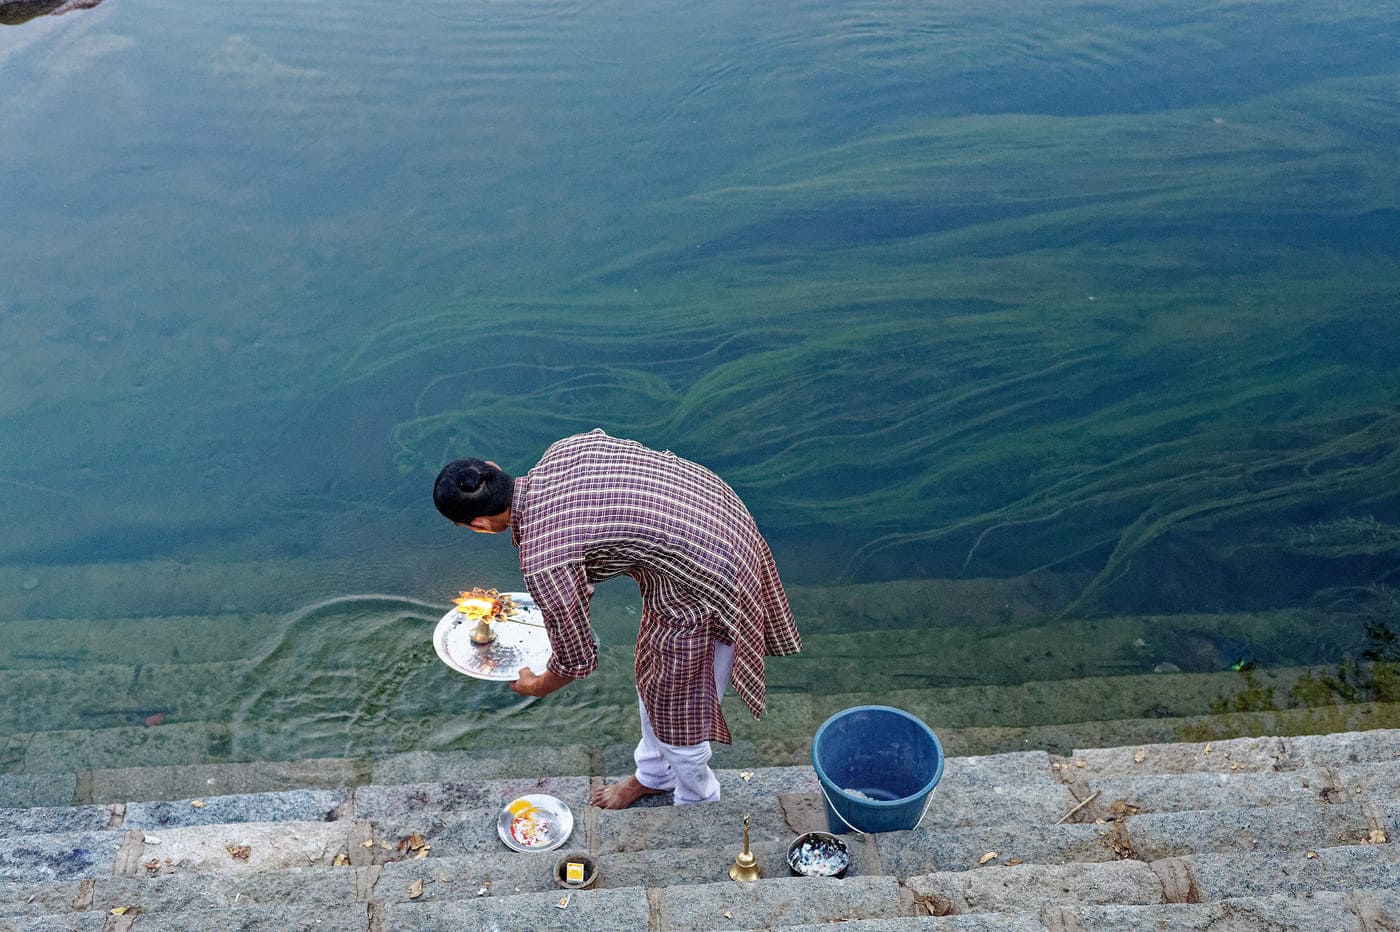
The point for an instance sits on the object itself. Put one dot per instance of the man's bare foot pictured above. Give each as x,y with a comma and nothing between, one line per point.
621,795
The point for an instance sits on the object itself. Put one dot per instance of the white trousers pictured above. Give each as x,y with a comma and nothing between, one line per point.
684,768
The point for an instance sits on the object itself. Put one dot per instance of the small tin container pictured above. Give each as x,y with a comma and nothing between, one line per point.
575,871
818,854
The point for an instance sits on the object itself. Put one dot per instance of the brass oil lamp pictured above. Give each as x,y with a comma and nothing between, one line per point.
483,606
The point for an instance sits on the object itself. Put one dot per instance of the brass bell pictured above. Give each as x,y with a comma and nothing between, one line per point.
745,867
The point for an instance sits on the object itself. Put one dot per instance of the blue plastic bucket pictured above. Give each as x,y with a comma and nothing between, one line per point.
878,766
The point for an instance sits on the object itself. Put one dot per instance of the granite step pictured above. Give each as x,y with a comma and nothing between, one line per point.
1034,888
768,903
179,837
1105,797
305,857
788,745
1357,911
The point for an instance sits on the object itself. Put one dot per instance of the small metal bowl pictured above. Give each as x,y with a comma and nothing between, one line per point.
818,854
561,871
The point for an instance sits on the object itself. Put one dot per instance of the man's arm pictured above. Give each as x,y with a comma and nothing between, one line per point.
539,684
562,595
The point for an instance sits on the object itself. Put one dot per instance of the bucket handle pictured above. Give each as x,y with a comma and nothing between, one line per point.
928,801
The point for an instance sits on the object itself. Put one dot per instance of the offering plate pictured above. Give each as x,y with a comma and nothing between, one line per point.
521,641
537,822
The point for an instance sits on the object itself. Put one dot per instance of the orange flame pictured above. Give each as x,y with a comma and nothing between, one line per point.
479,605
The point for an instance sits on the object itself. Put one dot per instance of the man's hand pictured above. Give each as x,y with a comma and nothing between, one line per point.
538,685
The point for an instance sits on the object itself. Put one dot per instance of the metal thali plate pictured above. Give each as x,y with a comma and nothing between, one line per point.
537,822
521,641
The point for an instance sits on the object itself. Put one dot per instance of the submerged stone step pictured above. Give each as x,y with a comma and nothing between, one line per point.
196,781
170,744
111,695
782,738
70,643
534,761
934,654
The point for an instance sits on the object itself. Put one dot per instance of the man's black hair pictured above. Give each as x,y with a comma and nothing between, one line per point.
471,488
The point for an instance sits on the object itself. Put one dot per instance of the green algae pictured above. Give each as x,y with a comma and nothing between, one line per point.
1045,343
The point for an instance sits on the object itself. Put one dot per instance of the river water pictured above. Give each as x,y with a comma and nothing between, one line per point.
1025,317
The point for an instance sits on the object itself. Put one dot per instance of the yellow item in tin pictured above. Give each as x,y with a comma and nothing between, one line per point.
573,872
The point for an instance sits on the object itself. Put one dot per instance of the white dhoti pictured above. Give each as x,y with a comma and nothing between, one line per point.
684,768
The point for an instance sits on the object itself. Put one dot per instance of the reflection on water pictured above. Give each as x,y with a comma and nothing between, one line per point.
1059,341
357,676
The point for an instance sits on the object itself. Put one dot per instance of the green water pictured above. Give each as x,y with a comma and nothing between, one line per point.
1070,324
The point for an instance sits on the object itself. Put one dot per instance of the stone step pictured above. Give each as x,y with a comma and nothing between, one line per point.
1247,754
1358,911
1031,888
1361,911
69,922
970,922
767,903
63,856
932,847
1107,797
50,786
241,858
393,816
